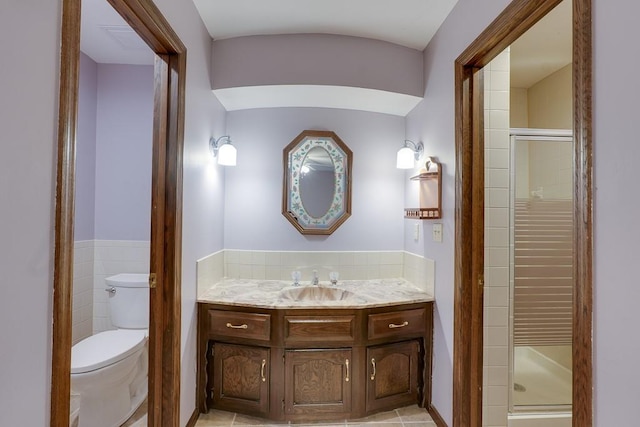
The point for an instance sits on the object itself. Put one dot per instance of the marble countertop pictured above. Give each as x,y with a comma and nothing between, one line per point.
346,294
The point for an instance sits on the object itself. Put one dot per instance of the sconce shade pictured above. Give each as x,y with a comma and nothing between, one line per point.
223,150
227,154
409,154
405,158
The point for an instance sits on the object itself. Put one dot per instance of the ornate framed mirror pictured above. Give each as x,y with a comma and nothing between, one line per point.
316,194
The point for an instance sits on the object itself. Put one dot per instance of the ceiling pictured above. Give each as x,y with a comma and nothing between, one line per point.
410,23
107,38
544,48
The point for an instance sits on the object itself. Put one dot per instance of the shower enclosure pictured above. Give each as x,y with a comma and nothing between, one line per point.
541,276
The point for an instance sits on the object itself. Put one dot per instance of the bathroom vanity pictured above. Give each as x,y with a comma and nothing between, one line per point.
314,352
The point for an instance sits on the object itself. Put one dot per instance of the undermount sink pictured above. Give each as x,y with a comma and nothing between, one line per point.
316,293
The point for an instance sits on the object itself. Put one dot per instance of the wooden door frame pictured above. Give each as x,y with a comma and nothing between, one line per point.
166,209
517,18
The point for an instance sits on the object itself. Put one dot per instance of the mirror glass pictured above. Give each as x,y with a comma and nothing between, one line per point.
317,182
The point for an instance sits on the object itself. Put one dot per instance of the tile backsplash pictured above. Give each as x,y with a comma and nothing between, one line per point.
93,261
278,265
96,260
82,317
114,257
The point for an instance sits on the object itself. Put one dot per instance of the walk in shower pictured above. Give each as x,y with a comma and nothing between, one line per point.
541,277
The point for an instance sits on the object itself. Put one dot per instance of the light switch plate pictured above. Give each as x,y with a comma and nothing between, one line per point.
436,232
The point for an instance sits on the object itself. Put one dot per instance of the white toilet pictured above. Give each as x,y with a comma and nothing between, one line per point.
109,369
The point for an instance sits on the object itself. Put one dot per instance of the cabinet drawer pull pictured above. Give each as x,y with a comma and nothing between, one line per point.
264,363
402,325
373,365
346,362
243,326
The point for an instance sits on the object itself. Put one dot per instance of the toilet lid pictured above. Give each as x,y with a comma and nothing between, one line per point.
105,348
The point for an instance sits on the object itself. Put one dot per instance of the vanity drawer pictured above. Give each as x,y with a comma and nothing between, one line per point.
396,323
236,324
318,328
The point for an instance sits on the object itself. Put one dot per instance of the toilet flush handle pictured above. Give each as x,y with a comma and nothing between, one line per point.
111,290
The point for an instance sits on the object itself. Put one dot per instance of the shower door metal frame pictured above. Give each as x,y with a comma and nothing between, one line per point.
515,135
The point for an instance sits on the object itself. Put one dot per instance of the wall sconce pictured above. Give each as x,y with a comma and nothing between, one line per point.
223,150
409,154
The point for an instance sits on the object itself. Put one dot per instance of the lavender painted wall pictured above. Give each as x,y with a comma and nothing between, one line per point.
253,203
28,118
85,197
123,152
432,122
616,90
318,59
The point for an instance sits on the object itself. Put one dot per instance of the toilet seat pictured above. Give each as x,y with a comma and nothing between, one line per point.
106,348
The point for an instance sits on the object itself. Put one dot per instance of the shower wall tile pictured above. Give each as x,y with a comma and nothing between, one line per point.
498,119
497,158
495,415
499,100
498,197
496,301
499,79
496,178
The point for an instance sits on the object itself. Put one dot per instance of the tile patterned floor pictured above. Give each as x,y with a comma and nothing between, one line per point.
410,416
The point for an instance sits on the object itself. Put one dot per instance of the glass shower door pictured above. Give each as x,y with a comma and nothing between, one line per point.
541,270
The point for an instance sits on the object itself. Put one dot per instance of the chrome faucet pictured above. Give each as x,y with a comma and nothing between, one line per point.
314,282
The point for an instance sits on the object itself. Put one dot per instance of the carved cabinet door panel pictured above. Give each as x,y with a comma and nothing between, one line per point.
392,375
241,378
318,381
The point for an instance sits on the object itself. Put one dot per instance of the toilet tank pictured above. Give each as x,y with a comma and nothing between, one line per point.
129,300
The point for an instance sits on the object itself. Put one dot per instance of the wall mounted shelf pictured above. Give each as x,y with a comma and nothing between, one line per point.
430,178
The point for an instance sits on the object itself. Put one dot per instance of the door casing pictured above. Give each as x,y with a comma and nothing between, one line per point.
518,17
166,209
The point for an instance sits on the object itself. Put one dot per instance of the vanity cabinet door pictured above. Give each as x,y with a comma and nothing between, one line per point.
318,382
392,375
241,378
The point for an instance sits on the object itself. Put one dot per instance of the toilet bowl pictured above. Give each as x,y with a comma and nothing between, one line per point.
109,372
109,369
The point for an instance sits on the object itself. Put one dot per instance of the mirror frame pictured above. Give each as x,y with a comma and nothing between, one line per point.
342,165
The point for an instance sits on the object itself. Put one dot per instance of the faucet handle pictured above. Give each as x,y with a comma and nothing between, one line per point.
296,275
333,277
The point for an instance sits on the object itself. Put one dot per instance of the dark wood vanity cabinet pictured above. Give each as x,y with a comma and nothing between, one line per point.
392,377
313,363
318,382
241,378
